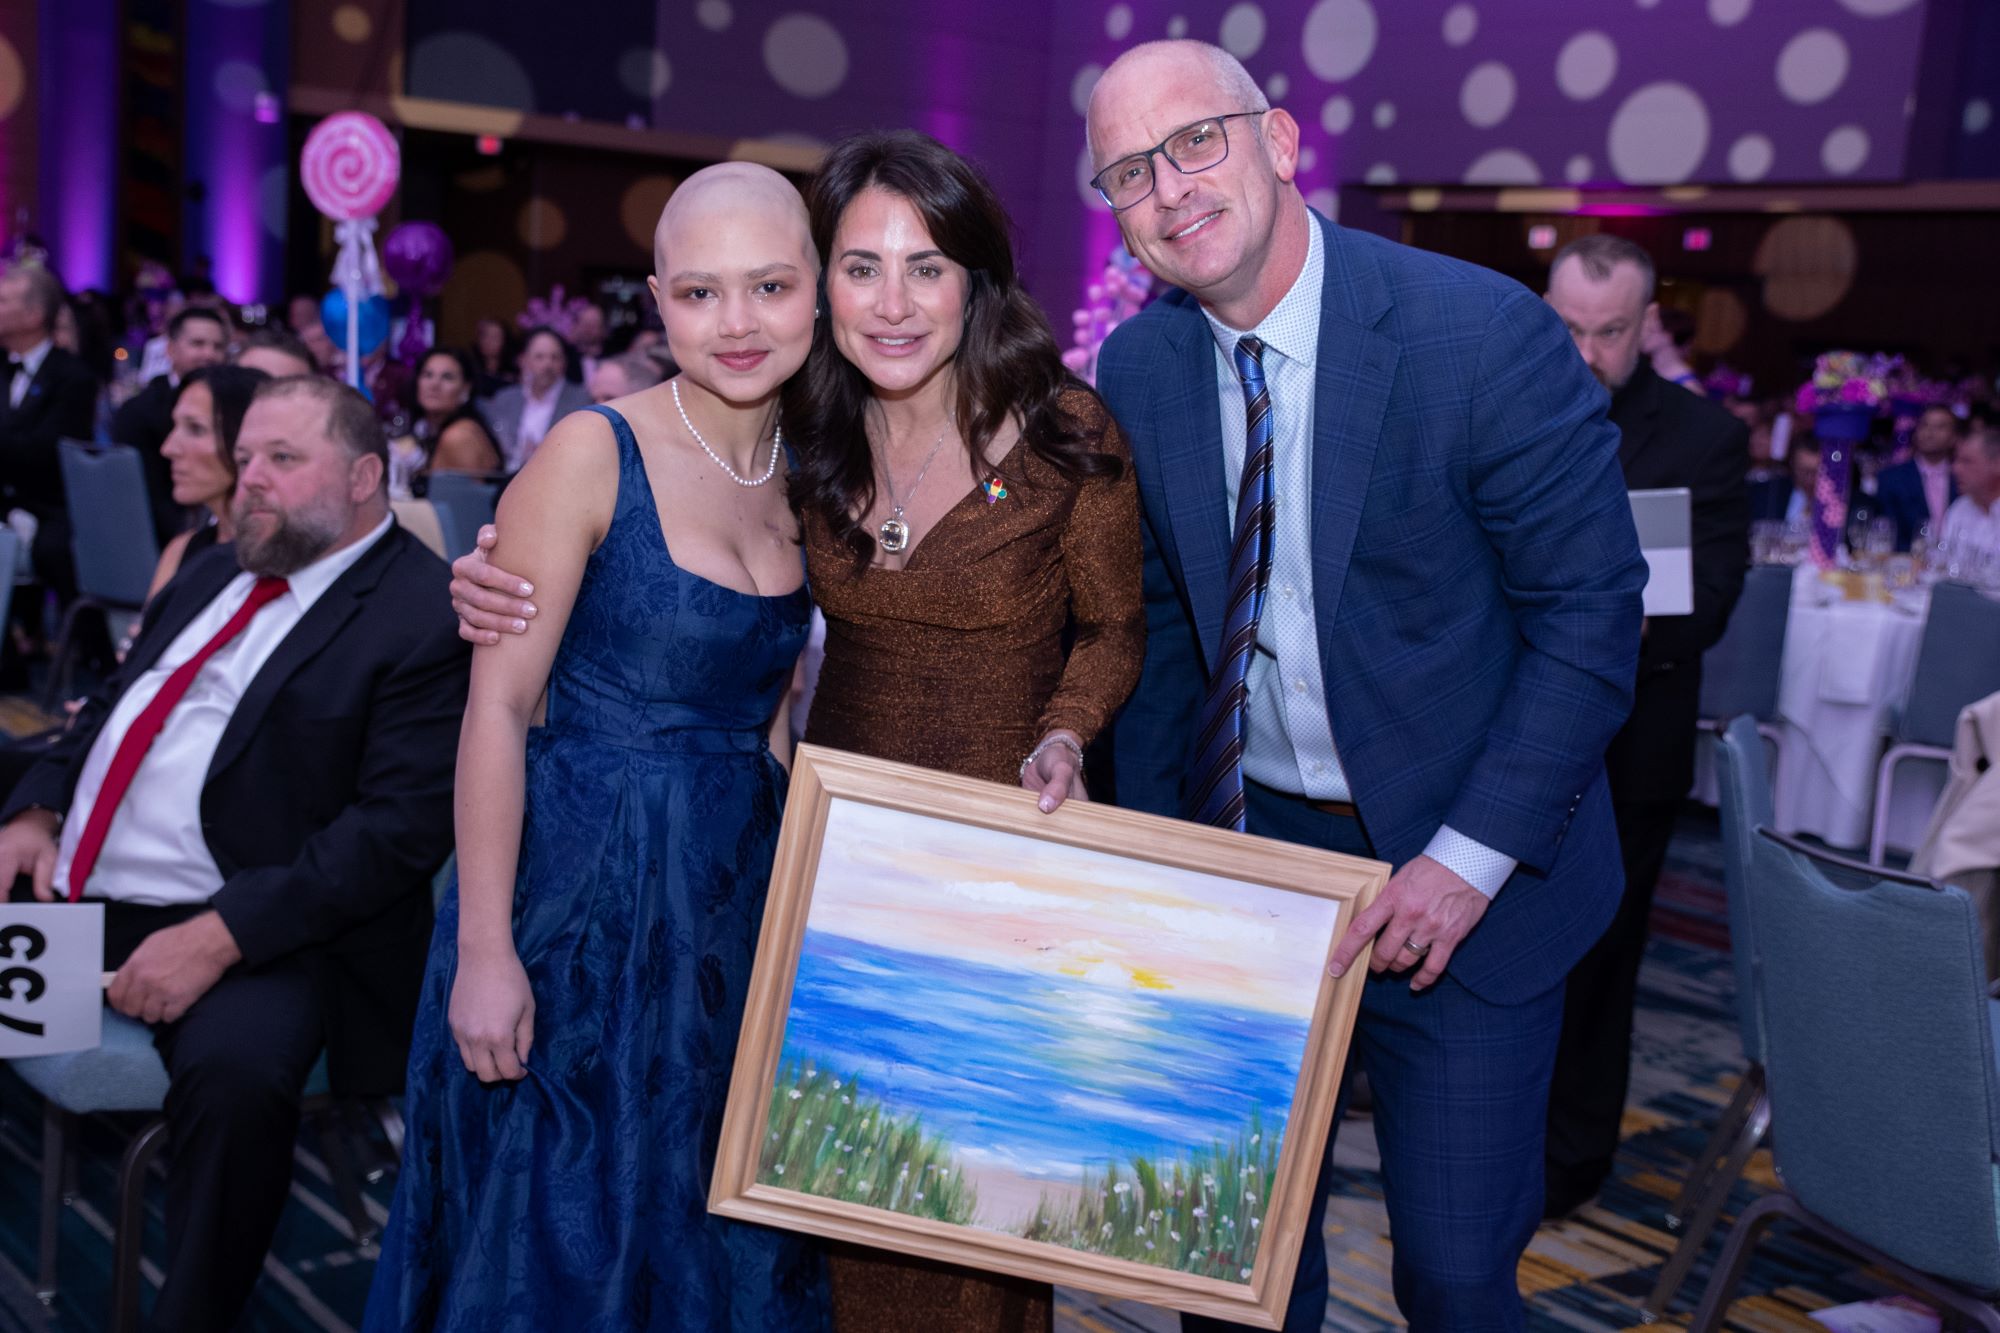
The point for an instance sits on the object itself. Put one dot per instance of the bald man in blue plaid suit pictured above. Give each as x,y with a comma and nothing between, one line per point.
1393,595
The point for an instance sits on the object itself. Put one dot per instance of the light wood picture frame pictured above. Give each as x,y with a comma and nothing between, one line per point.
1094,1048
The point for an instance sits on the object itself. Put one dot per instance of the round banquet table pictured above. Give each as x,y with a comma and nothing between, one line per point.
1845,673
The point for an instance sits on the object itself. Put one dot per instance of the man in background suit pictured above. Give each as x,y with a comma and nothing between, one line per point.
1602,286
521,414
197,336
49,396
261,795
1443,592
1917,491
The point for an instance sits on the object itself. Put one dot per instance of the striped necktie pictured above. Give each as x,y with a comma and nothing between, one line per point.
1218,797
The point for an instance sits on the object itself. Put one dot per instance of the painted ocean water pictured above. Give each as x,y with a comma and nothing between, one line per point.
1045,1075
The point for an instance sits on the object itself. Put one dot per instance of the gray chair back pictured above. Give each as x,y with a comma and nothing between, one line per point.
1879,1060
1743,791
1740,674
465,504
1958,662
111,521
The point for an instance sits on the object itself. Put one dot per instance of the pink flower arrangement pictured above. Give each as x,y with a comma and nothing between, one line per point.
1848,379
555,312
1121,293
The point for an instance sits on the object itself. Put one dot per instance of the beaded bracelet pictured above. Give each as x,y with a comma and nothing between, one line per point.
1037,752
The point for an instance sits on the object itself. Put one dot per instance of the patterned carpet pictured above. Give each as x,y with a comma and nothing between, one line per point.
1586,1274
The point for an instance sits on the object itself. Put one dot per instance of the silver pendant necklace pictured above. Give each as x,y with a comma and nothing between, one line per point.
777,439
894,533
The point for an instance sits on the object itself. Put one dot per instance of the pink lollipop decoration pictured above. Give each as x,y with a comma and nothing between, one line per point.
350,166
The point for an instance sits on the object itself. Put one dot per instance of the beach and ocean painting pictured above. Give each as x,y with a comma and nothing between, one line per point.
1060,1044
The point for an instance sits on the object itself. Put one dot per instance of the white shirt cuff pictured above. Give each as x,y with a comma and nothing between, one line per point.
1474,862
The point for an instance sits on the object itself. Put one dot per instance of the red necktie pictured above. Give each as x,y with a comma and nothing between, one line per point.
146,727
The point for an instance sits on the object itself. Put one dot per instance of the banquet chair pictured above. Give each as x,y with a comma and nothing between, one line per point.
1958,662
1745,806
1880,1066
123,1075
1741,674
111,525
465,503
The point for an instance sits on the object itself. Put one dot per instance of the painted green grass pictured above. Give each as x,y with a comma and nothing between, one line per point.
824,1137
1202,1213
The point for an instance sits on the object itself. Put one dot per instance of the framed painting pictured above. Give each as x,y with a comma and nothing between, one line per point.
1095,1048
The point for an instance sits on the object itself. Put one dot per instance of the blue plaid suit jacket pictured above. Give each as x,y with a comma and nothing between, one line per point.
1476,576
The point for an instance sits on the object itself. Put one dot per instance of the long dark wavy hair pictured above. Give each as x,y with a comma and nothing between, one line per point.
1007,361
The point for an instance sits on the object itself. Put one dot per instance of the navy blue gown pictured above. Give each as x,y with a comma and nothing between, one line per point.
575,1198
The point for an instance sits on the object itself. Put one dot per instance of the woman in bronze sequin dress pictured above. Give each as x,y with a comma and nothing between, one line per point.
964,504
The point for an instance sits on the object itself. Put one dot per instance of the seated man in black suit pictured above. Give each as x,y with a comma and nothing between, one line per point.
261,796
1917,491
46,395
197,336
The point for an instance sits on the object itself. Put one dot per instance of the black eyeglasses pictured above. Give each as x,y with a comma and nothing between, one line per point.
1191,148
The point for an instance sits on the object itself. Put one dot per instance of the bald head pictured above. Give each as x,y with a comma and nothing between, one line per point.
1190,65
725,195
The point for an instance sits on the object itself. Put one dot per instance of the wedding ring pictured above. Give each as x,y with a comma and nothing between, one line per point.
1411,946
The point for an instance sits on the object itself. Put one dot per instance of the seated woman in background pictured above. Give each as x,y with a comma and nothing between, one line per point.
201,450
447,433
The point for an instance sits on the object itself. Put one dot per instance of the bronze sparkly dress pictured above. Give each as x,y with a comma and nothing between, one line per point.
956,662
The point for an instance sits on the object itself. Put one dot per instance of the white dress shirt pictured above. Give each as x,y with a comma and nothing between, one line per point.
1936,478
1971,534
28,366
154,851
1288,740
537,415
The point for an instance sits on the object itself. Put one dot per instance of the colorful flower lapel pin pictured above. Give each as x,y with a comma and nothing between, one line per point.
994,489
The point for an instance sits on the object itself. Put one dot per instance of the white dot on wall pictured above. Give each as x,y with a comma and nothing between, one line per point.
237,83
1385,115
1380,174
1118,22
1487,94
1085,169
1080,86
1277,86
1339,38
1844,150
1649,4
806,55
1326,203
1577,170
1337,115
1978,115
1242,31
1177,27
1587,64
644,73
1658,135
1875,9
715,15
1812,66
1461,24
1308,158
469,67
1503,166
1728,13
1750,157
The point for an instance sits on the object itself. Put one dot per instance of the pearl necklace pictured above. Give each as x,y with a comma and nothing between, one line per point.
777,440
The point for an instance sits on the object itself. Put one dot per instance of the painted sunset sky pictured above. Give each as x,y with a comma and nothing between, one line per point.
920,884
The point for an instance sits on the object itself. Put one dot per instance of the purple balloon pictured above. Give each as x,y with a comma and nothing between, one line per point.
418,256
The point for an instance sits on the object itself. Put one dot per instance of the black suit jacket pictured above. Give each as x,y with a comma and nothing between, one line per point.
1670,437
1899,491
144,422
61,403
328,806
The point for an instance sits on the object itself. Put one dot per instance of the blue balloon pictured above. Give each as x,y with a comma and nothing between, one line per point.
374,320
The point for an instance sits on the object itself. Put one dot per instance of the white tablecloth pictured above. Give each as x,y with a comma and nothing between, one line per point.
1845,674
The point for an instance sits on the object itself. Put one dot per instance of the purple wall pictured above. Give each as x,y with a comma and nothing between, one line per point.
1426,91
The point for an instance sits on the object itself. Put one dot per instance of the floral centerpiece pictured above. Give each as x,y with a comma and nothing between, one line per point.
556,311
1846,393
1121,293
